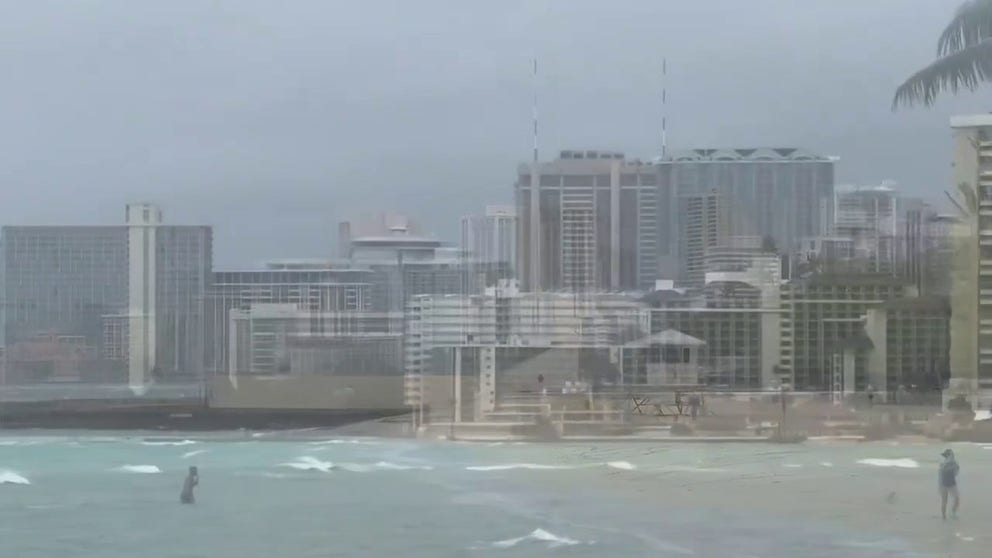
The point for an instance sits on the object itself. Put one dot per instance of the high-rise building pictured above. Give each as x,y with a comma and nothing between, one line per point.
869,216
704,225
325,294
490,237
928,248
910,342
285,339
737,313
61,283
971,269
587,221
778,194
133,295
823,342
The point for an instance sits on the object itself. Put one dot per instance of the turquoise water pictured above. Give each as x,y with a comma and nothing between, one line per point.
110,495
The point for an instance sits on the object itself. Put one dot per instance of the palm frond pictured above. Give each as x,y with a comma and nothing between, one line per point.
956,204
964,69
971,25
966,200
969,196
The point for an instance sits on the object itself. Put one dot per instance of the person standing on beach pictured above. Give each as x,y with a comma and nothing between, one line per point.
948,477
192,479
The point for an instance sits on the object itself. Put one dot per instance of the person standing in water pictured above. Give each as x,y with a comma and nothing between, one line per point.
948,477
192,479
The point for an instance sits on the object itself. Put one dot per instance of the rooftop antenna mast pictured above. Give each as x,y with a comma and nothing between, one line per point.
534,109
664,107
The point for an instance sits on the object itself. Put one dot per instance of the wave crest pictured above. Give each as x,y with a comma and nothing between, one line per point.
143,469
309,463
538,535
902,463
12,477
168,442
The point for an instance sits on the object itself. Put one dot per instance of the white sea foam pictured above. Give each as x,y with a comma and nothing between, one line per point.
10,477
511,466
168,442
10,443
792,465
691,469
388,466
144,469
193,453
623,465
337,441
538,535
308,463
902,463
965,538
826,464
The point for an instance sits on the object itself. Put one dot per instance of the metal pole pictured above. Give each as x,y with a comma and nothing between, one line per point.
451,424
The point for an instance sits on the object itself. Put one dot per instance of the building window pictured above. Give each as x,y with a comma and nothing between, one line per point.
672,355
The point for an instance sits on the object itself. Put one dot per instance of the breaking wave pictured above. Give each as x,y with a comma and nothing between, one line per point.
622,465
337,441
308,463
168,442
512,466
144,469
538,535
10,477
902,463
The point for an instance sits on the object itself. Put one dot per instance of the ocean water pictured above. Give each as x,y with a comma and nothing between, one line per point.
290,495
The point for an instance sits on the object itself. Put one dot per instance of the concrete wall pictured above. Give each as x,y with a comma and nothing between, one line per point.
308,392
965,268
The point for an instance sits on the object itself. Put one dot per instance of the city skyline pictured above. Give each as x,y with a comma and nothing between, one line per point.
276,141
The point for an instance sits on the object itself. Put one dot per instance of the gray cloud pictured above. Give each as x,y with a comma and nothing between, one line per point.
273,120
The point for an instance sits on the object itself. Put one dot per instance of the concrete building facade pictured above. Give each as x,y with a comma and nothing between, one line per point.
869,216
587,221
490,237
555,327
132,294
971,269
823,322
779,194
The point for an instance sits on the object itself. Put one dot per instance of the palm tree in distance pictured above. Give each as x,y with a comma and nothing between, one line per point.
964,57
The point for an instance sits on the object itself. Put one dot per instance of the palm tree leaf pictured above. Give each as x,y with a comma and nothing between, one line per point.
957,204
966,68
971,25
970,197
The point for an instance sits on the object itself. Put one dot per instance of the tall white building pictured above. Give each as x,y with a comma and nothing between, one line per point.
588,221
142,221
971,270
869,216
492,236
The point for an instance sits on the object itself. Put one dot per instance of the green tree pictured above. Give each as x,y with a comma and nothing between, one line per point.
964,58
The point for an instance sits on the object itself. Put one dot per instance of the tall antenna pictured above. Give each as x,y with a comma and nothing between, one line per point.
535,109
664,107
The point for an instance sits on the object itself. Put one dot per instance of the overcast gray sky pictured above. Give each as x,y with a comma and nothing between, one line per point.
272,120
